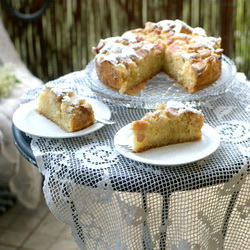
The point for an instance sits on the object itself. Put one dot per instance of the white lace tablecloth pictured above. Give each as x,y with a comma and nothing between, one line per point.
112,202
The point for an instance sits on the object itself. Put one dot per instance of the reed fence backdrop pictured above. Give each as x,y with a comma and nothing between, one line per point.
60,41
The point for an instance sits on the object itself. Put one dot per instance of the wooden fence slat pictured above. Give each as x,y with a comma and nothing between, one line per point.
62,39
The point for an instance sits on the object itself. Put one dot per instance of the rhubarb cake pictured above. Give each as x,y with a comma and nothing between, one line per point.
60,105
170,123
186,54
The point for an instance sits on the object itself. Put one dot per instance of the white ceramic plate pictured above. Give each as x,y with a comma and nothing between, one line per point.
176,154
27,119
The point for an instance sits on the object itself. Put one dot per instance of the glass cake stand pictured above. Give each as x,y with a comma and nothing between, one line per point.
162,88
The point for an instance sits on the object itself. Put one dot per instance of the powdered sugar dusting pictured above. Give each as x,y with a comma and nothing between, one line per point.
175,25
182,108
120,49
114,50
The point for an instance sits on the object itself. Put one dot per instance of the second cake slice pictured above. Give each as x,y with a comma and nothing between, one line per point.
169,123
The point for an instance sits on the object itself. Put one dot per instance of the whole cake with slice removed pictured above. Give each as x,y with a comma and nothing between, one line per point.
126,63
60,105
170,123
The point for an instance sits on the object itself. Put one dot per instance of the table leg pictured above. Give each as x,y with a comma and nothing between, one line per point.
229,212
147,239
163,234
77,222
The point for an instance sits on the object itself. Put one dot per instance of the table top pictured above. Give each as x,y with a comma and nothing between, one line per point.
96,152
22,142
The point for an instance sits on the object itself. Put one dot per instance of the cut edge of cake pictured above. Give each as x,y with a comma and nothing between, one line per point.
197,56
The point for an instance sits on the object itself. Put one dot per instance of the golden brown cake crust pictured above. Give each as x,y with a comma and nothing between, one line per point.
184,53
60,105
168,124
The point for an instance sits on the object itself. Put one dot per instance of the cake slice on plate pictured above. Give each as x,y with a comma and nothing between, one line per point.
170,123
60,105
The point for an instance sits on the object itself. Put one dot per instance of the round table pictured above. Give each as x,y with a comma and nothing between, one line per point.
22,142
112,202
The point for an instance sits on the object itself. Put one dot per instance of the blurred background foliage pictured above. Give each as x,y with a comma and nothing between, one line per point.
61,40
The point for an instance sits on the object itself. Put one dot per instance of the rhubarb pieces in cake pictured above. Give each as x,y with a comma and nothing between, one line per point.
186,54
60,105
170,123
